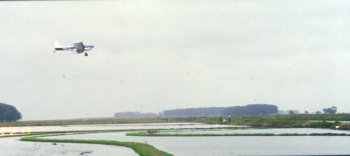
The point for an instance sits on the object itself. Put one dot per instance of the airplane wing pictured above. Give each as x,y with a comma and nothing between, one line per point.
68,48
58,47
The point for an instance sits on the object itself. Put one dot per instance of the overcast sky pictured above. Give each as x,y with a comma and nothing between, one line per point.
160,54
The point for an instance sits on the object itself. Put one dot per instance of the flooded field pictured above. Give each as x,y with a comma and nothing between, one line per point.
254,131
111,127
14,147
186,146
247,145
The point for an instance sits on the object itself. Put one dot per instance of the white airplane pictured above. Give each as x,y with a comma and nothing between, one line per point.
77,47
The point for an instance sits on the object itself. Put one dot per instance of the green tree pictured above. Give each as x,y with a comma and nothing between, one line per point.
331,110
9,113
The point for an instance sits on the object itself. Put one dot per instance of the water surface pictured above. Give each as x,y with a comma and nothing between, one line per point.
113,127
241,145
254,131
15,147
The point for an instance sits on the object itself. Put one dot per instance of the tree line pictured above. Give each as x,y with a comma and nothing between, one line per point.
251,109
203,111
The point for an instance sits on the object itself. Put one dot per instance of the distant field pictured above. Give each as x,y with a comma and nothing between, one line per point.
94,121
341,121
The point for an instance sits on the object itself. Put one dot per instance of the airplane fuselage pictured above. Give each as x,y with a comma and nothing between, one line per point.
77,47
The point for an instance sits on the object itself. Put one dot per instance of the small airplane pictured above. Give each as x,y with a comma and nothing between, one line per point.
77,47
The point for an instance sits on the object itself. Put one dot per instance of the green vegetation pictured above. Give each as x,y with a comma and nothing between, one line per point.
295,121
331,110
252,109
141,148
287,121
9,113
233,134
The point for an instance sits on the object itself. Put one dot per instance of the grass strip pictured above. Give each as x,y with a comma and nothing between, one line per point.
140,148
233,134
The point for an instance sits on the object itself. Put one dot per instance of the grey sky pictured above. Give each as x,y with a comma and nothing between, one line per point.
159,54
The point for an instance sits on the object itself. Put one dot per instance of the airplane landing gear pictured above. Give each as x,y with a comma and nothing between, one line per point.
86,54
